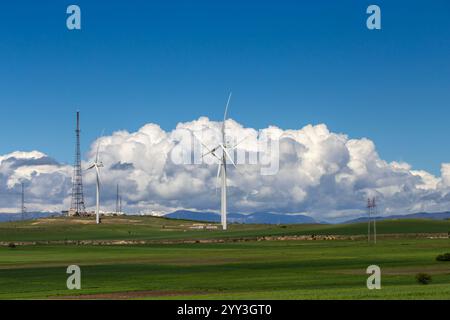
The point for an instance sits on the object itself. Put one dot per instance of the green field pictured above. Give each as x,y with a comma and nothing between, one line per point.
234,269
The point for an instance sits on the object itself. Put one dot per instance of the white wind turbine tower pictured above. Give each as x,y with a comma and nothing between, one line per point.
97,165
222,167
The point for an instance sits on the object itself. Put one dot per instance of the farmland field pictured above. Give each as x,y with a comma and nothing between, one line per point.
164,266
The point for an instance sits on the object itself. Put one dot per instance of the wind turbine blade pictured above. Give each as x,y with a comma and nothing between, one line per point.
98,146
228,155
211,152
237,144
91,167
226,108
98,150
98,174
225,117
218,176
206,147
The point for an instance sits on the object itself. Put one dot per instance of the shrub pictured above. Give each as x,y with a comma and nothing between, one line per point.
12,245
443,257
423,278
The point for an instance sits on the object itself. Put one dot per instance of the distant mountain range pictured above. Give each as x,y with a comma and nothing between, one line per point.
420,215
4,217
258,218
273,218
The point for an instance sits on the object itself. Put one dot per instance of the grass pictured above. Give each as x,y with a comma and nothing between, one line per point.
233,270
152,228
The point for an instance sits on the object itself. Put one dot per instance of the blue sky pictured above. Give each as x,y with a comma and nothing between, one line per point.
288,63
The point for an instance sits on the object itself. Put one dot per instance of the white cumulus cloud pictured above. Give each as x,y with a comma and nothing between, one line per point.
320,173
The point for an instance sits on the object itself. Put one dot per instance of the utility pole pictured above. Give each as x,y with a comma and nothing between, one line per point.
371,211
374,208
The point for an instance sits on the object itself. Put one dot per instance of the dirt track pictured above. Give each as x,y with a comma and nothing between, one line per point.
223,240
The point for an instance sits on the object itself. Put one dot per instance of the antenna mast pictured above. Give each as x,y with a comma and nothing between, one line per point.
77,206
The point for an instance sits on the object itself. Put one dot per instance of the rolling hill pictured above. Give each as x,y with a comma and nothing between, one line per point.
160,229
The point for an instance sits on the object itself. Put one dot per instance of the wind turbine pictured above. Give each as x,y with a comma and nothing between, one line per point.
222,166
97,165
